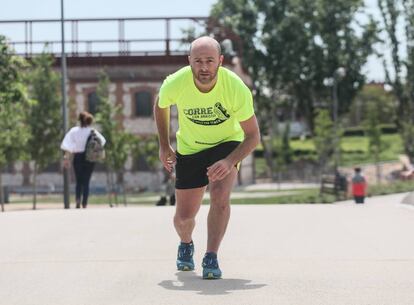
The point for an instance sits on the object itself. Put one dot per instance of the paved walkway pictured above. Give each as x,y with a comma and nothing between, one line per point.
272,254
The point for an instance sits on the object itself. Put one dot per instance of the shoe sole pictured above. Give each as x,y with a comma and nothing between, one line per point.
185,267
209,275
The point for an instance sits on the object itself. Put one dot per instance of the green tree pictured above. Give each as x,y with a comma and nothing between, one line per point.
286,150
282,150
402,76
373,94
293,46
146,147
373,132
13,102
119,143
270,132
324,140
44,116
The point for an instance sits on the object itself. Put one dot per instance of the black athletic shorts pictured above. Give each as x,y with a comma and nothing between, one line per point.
191,170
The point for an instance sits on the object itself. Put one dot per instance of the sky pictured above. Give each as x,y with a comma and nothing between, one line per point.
48,9
22,9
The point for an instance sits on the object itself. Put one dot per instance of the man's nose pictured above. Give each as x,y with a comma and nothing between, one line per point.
204,67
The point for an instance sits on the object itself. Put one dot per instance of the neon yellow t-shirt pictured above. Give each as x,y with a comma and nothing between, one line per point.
207,119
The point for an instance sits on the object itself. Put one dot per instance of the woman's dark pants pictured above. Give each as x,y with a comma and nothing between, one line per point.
83,172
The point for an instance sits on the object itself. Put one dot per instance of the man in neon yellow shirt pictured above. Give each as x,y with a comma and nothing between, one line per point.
217,129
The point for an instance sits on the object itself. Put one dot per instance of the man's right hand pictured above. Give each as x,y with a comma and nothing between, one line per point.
168,158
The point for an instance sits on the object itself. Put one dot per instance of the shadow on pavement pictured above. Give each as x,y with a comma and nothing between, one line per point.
190,281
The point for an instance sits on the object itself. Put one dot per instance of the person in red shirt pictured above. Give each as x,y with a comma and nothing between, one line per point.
359,186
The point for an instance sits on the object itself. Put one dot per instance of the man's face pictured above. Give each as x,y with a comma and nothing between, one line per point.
204,62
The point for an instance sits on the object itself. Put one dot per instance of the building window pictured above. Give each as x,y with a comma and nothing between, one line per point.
143,104
93,102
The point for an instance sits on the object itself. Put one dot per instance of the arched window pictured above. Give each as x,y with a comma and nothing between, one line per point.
143,104
93,102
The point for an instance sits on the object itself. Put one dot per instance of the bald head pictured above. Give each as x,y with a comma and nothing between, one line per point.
205,60
205,43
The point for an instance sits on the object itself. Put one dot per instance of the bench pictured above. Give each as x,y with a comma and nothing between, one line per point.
336,185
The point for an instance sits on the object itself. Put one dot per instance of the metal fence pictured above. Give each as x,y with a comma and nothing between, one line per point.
103,36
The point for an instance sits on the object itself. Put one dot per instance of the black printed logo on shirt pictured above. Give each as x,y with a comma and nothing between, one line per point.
207,116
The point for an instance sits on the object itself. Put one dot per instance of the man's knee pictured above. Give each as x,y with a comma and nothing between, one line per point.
220,196
220,200
183,218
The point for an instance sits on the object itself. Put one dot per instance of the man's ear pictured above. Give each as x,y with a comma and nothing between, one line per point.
189,59
221,58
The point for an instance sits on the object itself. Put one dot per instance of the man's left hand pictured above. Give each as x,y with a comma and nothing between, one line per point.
219,170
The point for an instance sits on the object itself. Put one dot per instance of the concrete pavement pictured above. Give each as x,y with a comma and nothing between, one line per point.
272,254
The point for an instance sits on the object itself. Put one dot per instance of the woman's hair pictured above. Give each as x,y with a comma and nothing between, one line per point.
85,118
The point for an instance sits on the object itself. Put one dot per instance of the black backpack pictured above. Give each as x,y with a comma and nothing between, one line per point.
94,151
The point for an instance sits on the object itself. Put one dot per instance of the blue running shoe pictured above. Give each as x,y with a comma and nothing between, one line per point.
185,257
211,269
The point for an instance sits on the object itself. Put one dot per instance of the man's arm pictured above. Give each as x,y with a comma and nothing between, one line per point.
251,140
166,152
222,168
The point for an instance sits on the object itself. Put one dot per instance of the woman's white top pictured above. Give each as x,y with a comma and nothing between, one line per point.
75,139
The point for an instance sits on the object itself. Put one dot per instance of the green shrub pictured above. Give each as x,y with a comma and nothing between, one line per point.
395,187
300,196
360,130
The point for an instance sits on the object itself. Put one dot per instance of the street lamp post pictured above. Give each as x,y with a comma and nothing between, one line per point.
339,74
66,201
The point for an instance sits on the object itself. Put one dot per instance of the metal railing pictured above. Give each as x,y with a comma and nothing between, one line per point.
122,45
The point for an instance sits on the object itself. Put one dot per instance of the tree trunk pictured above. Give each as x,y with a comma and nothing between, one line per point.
1,191
279,179
113,188
122,183
268,149
34,186
306,104
124,194
377,167
268,155
108,186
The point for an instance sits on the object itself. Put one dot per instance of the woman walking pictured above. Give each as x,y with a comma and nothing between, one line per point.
74,143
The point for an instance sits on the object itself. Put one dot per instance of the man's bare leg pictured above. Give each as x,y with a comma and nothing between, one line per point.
188,203
219,214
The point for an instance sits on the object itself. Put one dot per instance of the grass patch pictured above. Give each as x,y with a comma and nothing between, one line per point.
313,196
143,198
297,197
354,150
300,197
396,187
